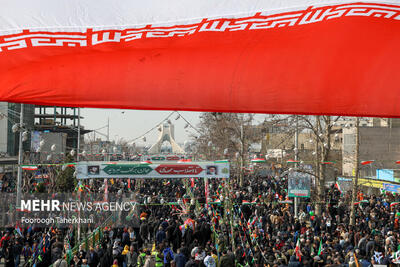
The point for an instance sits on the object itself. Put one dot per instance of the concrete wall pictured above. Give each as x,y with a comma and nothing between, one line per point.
286,141
376,143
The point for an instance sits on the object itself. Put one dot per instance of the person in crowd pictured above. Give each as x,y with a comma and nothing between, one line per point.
131,257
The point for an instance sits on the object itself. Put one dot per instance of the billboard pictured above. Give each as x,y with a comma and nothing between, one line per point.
96,169
385,175
299,184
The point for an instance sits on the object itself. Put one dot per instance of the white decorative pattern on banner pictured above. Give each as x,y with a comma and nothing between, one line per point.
257,22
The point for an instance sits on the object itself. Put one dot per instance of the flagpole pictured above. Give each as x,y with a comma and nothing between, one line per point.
20,159
355,178
77,159
296,144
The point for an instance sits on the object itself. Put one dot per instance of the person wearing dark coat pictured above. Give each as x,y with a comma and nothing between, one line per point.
293,262
106,260
9,256
92,258
192,263
160,236
226,260
180,259
125,238
144,231
177,238
188,236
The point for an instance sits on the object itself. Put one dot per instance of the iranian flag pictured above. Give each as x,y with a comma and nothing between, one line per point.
366,162
18,230
320,248
29,167
252,221
338,187
258,160
298,56
297,249
360,202
292,161
394,204
328,162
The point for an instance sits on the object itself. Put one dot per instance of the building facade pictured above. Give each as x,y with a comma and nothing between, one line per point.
9,140
378,144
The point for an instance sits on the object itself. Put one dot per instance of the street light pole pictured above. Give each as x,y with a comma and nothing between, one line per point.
241,155
296,144
20,152
108,139
79,134
355,179
77,159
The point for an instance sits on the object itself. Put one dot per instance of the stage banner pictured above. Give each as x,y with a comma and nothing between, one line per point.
299,184
330,57
96,169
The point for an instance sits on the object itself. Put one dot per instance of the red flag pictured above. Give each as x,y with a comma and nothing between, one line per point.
366,162
41,58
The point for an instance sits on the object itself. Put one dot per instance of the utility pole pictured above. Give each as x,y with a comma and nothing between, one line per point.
355,179
296,157
20,154
317,166
108,139
108,129
241,154
79,135
77,159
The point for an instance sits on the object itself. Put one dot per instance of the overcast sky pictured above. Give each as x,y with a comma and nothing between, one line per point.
130,124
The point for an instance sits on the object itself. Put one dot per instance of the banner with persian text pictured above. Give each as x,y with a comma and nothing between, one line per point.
96,169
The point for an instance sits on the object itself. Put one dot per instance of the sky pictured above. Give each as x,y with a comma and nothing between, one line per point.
130,124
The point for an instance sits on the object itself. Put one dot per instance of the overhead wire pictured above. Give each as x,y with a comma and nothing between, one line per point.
153,128
191,125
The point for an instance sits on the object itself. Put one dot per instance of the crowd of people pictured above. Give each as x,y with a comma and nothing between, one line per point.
176,225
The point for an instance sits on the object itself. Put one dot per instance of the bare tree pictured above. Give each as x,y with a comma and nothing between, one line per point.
321,127
226,135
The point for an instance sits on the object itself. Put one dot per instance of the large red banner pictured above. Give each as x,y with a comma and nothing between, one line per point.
335,60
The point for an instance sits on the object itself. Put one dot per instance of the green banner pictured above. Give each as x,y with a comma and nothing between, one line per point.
134,169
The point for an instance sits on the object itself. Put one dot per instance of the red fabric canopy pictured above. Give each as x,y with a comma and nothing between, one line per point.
333,59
